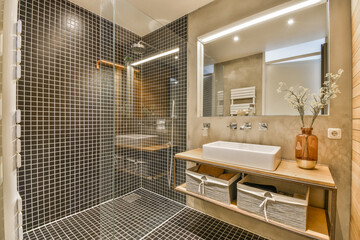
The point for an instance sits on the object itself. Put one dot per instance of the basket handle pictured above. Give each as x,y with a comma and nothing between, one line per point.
268,197
201,189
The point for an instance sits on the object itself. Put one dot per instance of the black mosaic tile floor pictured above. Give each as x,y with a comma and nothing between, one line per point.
191,224
139,215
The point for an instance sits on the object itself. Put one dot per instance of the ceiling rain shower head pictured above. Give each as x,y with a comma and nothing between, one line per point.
138,48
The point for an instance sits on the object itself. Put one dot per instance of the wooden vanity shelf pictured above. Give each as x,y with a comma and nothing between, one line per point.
320,222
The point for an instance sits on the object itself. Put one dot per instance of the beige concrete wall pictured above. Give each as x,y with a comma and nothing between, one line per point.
241,73
305,73
282,130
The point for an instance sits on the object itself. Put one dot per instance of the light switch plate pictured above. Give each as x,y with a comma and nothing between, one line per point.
334,133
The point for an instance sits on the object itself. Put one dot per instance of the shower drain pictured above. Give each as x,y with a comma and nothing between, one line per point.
131,197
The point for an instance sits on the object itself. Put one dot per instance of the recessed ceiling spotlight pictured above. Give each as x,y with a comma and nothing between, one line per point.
236,38
176,57
291,21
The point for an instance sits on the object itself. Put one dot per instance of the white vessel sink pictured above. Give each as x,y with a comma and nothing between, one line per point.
137,140
243,154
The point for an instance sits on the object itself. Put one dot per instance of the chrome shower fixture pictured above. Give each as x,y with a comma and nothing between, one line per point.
138,48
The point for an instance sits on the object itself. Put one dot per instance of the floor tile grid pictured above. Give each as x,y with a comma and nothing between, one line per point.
233,228
133,221
185,225
82,215
73,228
146,221
51,224
150,217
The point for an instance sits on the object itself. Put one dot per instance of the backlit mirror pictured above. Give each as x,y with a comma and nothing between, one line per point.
240,65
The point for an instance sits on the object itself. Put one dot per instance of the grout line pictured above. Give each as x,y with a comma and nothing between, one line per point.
163,223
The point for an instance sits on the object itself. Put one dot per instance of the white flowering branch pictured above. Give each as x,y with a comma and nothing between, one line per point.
327,92
299,99
296,99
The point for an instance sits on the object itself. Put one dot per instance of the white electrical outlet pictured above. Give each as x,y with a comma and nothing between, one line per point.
334,133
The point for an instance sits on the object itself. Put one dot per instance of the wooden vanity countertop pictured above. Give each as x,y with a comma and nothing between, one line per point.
287,170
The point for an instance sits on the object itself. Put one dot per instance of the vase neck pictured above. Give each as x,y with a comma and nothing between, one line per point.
307,131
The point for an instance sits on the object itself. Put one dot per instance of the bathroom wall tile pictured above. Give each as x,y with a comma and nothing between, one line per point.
72,112
165,80
67,110
134,217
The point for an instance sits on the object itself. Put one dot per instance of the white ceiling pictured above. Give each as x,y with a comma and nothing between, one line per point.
142,16
309,24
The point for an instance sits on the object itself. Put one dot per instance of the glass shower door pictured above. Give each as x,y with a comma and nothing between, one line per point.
107,71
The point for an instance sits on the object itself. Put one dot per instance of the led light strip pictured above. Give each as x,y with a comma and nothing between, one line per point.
262,18
156,56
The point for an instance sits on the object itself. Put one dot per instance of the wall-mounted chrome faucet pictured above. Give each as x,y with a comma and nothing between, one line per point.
232,125
263,126
246,126
205,129
206,125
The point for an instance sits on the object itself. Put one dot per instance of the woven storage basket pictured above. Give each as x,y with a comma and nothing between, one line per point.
273,206
218,189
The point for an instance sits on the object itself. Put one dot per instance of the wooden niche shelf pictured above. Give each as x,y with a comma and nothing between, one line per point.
319,223
111,64
148,148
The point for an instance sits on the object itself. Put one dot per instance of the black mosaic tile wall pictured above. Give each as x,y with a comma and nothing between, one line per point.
167,77
67,110
72,111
